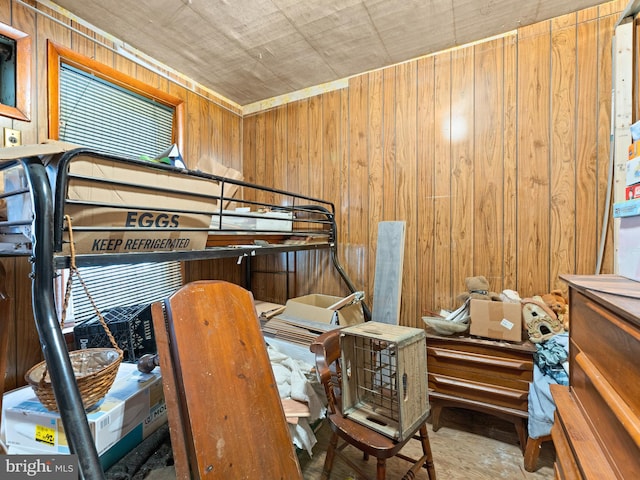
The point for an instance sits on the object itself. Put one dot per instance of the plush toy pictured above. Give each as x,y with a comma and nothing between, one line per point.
556,302
546,332
478,288
540,321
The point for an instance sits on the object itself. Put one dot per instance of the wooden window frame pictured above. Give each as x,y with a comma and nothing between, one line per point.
57,54
22,110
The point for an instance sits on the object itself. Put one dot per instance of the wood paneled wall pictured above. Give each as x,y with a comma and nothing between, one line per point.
213,129
495,154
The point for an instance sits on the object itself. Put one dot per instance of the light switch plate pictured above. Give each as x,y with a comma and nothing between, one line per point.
12,137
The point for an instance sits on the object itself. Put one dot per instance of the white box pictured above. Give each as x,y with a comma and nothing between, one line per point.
238,219
278,221
628,254
133,408
122,447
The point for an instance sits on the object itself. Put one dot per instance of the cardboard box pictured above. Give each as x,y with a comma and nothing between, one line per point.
238,219
107,459
314,308
244,219
135,207
628,208
133,408
498,320
49,147
632,192
633,171
275,221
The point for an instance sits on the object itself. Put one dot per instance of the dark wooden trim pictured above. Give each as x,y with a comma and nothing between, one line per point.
22,110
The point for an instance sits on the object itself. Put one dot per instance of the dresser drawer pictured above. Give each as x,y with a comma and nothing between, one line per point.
597,427
578,451
610,345
479,392
483,347
615,421
565,465
508,372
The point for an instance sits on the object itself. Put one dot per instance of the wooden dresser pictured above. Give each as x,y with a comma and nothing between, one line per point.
480,374
596,431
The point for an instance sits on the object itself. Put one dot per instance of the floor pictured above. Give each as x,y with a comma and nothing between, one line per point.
468,446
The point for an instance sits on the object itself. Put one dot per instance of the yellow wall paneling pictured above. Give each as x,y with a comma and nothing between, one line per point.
496,155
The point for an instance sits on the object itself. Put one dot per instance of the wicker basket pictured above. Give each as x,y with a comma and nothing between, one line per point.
95,369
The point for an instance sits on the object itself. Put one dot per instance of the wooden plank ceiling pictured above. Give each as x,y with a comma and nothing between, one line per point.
250,50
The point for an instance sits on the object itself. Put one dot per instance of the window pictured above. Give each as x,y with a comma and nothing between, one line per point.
15,73
96,106
98,114
7,71
93,105
120,285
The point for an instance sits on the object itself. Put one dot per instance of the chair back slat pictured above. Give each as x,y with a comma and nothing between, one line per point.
326,348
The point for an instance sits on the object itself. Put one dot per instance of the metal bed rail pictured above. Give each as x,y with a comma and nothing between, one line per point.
38,192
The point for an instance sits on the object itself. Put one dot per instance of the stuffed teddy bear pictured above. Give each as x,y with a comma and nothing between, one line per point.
547,333
478,288
540,321
556,302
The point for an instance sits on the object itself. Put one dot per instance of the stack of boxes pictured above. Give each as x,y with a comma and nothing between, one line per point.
133,408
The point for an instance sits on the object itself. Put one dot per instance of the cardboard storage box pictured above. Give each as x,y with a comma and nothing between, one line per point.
107,459
632,191
275,221
244,219
634,150
498,320
133,408
137,207
316,308
628,208
633,171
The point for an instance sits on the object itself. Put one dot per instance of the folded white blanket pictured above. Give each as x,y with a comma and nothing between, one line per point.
295,379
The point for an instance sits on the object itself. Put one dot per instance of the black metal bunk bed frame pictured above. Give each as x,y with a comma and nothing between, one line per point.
38,232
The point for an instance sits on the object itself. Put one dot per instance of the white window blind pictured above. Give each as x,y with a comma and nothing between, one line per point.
98,114
120,285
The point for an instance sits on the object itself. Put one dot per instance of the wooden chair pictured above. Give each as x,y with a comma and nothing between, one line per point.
327,351
225,414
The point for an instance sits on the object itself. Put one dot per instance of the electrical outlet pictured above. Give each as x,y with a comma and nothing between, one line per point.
12,137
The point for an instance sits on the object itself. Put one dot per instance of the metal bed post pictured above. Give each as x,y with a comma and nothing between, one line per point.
52,341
